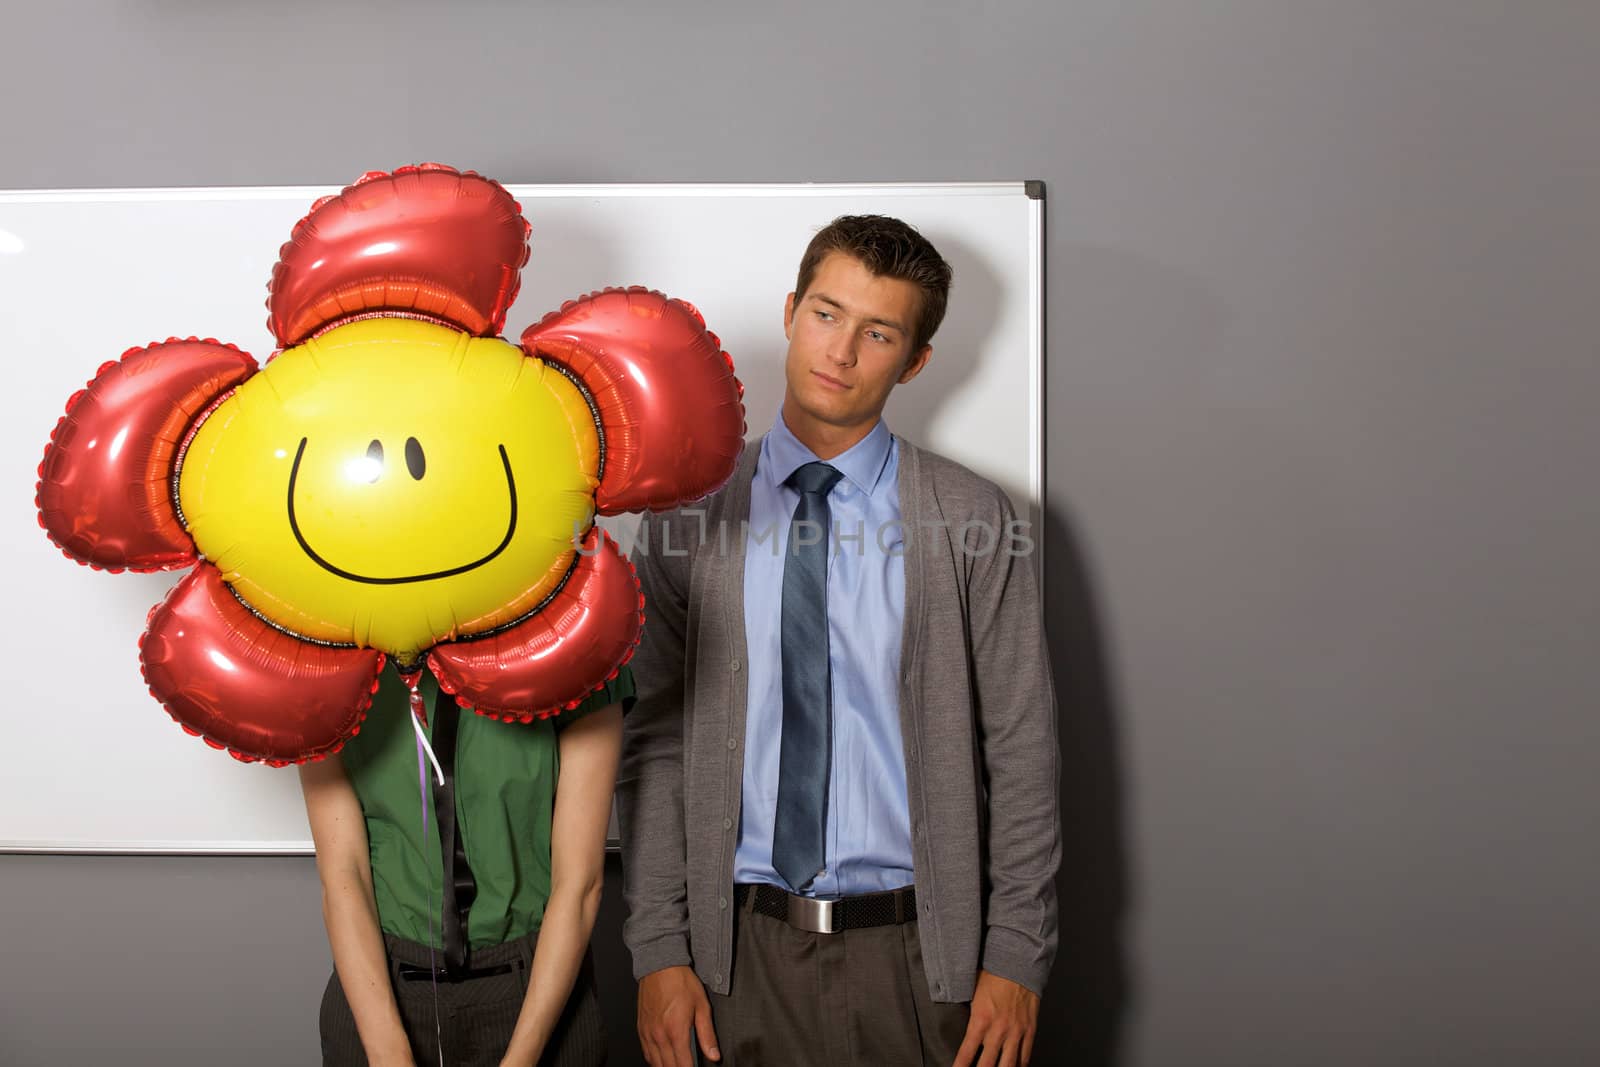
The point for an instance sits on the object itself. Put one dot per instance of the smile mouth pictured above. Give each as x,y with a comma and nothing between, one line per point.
836,383
294,525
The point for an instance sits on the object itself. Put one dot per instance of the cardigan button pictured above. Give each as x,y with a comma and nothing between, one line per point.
732,744
734,666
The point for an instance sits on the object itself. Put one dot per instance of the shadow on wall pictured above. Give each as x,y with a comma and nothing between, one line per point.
1139,347
1085,1003
976,293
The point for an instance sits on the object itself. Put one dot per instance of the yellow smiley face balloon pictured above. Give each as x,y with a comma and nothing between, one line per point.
394,484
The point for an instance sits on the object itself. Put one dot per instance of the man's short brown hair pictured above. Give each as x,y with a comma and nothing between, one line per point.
888,248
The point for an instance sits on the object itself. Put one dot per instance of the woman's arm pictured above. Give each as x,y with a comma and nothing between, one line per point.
589,750
350,911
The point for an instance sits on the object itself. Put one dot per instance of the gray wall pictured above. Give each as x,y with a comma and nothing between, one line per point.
1322,374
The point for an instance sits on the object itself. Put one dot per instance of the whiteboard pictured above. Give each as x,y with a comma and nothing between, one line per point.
92,762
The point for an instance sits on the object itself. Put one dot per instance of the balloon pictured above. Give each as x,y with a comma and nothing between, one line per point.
430,485
105,485
398,243
397,481
650,461
506,673
222,674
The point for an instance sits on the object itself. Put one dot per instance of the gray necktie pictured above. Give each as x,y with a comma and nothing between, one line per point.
803,759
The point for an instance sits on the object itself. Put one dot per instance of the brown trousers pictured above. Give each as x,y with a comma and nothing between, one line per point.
473,1019
858,998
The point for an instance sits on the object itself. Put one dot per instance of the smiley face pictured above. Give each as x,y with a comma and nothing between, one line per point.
394,483
370,469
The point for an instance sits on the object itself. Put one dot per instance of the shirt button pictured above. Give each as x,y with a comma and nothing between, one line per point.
727,824
732,744
734,666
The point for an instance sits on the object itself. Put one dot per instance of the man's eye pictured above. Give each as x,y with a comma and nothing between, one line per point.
876,336
825,316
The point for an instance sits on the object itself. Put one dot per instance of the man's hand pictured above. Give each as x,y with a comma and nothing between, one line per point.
1004,1018
670,1001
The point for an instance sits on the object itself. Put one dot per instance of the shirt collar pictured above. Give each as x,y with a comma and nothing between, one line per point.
862,463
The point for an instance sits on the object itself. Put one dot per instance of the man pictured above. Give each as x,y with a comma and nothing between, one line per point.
838,787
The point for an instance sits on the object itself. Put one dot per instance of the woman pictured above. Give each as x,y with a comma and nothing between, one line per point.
532,803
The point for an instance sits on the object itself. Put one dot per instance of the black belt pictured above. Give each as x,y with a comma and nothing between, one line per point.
894,907
409,972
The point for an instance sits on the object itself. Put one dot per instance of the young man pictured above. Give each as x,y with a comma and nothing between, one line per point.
838,787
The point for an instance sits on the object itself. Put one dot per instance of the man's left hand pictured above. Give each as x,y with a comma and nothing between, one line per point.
1004,1018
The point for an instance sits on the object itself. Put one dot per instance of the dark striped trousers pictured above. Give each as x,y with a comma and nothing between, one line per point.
472,1019
858,998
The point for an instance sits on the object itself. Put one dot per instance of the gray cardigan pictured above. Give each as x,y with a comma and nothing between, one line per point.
977,718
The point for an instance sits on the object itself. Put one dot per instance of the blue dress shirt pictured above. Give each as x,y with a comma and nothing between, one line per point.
867,841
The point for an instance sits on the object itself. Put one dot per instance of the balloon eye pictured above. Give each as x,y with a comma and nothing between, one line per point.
374,460
416,463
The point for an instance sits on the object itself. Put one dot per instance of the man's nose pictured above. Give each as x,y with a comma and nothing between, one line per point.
842,352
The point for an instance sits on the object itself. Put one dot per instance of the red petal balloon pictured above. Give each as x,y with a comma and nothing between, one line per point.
105,485
570,647
242,685
427,240
669,403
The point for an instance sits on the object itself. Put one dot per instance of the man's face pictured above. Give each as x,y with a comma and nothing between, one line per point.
850,336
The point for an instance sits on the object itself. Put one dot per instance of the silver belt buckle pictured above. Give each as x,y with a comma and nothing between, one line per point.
808,913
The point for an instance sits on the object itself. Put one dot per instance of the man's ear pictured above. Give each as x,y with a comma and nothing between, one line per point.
788,316
915,364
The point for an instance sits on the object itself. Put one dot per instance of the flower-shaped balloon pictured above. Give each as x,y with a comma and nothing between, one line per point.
397,479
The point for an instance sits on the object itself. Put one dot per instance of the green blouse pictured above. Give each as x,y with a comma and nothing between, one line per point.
505,798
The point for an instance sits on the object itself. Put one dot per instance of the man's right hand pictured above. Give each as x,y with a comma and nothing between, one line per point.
670,1001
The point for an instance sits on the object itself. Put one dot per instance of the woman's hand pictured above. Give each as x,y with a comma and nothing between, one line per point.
589,750
349,910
